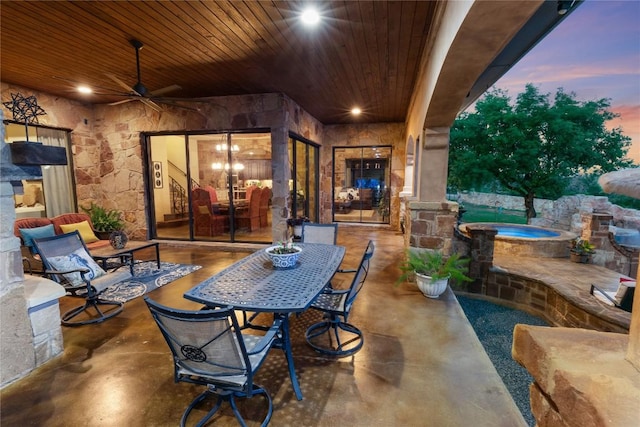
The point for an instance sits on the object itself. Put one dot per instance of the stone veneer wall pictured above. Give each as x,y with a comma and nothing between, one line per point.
563,214
557,308
431,225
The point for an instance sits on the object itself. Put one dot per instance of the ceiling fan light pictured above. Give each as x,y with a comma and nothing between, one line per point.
85,89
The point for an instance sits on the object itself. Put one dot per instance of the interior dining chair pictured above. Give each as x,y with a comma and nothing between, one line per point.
319,233
67,261
334,335
209,349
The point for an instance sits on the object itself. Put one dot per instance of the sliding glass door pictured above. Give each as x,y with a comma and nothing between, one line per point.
212,186
361,179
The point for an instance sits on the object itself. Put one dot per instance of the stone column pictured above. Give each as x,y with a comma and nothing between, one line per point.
431,220
482,244
16,339
434,165
281,174
431,225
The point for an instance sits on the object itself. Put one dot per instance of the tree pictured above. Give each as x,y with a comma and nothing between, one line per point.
534,147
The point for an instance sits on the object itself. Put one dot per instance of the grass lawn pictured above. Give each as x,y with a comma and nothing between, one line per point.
476,213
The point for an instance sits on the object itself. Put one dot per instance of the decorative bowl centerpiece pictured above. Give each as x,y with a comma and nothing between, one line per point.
284,255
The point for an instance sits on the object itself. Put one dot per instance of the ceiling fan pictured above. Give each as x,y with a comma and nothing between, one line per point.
139,92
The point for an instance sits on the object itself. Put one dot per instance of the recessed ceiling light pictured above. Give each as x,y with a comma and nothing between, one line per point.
84,89
310,17
356,111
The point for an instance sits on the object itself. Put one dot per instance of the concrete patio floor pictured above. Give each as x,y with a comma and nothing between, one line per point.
421,364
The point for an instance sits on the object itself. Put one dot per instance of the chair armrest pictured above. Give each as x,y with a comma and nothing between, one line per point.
74,270
267,338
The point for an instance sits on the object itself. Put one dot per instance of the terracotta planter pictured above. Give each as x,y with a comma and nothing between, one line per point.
431,289
580,258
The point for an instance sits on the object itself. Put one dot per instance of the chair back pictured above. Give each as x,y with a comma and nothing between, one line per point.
319,233
206,344
200,197
58,246
254,202
360,276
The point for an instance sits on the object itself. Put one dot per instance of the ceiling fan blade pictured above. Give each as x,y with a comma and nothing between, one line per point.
149,103
165,90
122,102
122,84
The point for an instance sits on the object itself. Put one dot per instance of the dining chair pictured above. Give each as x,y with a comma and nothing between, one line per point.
67,261
250,218
334,335
265,198
319,233
209,349
206,222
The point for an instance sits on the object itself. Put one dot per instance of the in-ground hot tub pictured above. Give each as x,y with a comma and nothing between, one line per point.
526,240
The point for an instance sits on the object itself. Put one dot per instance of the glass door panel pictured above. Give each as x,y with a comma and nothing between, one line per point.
303,186
251,181
361,184
170,186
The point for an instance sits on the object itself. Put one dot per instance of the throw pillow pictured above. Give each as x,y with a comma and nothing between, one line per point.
83,228
77,259
28,234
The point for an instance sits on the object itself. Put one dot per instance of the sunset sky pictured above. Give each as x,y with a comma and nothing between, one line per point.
595,53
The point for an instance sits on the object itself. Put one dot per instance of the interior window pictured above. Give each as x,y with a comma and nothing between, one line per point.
53,193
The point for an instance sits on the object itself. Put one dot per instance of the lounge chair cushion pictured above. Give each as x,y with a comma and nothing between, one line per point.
28,234
77,259
83,228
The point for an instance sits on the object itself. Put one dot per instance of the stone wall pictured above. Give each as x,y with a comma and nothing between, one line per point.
563,214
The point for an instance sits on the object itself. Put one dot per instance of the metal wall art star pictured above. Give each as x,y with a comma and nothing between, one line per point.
24,110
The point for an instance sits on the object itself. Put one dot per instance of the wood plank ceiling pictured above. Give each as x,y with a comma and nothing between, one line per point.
364,53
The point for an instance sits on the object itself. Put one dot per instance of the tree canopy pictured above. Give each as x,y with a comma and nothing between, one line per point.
534,147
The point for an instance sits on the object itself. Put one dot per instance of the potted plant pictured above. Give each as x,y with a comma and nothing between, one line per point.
581,250
383,205
284,254
433,270
108,224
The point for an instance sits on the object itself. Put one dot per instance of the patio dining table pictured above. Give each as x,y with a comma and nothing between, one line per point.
253,284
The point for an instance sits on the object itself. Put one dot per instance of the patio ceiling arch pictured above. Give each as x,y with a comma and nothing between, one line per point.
481,34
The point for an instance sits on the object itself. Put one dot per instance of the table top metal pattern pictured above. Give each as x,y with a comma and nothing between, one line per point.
253,283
